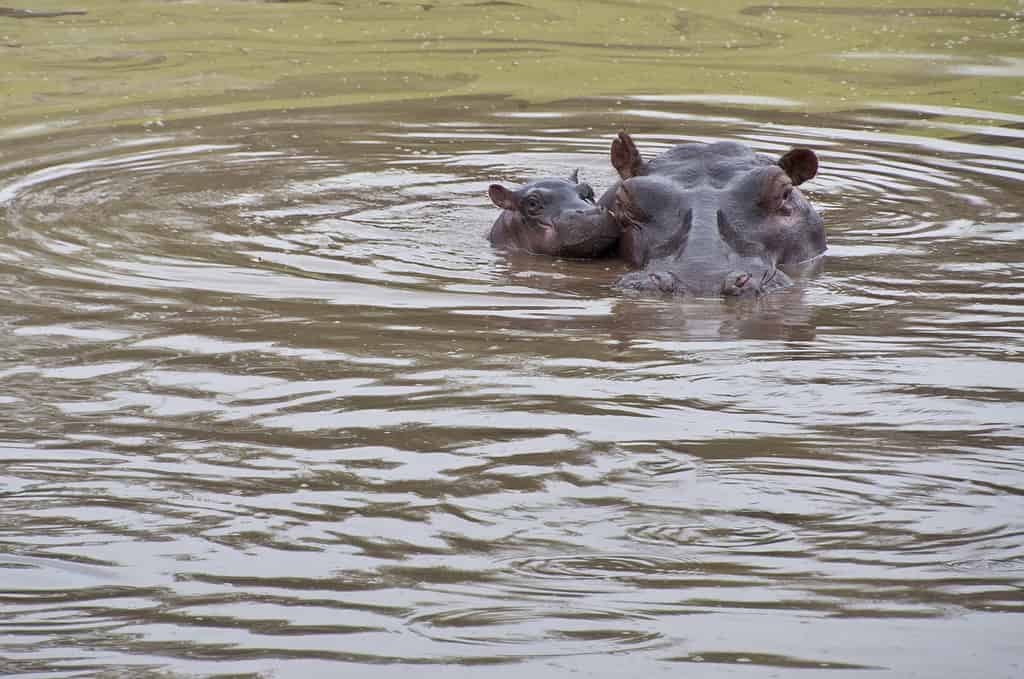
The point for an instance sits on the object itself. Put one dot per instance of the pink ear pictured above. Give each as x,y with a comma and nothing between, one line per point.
502,197
626,157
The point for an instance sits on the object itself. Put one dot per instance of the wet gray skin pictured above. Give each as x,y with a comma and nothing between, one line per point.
555,217
712,219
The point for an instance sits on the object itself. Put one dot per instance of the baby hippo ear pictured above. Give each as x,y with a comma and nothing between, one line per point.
502,197
575,176
800,165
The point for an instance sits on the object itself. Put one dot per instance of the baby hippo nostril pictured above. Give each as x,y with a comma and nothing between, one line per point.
742,279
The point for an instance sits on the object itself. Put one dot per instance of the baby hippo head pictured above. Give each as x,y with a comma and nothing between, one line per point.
555,217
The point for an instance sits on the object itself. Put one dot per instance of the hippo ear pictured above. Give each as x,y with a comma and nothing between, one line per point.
502,197
800,165
575,176
625,156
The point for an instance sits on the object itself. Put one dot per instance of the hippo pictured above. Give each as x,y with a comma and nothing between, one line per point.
556,217
712,219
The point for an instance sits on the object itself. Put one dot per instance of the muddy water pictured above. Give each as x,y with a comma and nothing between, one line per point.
271,406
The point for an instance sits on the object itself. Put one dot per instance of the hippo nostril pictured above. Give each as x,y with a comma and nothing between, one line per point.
739,284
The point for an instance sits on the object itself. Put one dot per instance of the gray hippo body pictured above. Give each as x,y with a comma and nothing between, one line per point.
712,219
555,217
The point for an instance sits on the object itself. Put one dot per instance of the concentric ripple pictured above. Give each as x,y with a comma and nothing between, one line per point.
271,403
538,630
623,567
725,535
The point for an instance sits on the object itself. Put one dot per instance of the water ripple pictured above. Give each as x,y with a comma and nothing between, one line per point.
537,630
269,396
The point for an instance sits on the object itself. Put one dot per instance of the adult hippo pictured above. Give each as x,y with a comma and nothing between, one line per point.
712,219
555,217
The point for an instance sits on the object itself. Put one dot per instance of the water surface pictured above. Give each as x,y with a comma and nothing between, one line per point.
272,406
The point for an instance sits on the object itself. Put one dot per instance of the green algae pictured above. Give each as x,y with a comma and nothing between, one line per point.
154,60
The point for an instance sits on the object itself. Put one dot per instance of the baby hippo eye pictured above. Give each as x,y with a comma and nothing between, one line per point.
533,204
585,191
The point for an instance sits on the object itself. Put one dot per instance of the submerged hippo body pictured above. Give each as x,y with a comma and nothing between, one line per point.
712,219
555,217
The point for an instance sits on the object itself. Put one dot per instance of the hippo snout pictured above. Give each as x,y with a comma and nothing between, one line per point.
737,283
653,281
740,284
586,233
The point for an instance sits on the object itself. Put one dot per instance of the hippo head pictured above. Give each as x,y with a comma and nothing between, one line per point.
712,219
553,217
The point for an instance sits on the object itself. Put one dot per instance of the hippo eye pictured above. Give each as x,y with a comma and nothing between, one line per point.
585,191
784,206
533,204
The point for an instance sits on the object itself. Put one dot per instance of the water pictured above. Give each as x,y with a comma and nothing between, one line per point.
272,406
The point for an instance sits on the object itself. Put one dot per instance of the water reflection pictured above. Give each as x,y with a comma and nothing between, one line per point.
271,402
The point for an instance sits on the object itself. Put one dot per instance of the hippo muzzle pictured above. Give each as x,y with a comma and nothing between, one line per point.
585,233
735,283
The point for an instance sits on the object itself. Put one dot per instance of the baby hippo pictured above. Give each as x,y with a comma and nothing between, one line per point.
556,217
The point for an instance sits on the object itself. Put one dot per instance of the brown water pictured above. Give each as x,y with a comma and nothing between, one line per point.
272,406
